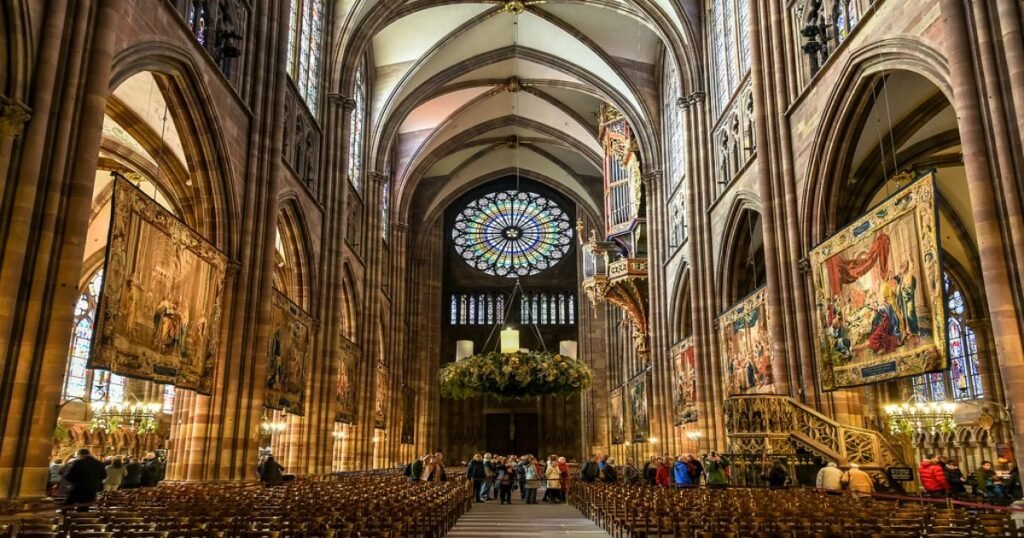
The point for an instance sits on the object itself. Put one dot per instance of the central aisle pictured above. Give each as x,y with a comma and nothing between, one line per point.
492,520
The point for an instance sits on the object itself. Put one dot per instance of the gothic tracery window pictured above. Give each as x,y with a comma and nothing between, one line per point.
512,233
304,38
80,383
962,381
356,128
730,38
385,201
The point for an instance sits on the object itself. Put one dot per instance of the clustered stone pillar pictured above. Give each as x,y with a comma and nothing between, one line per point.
46,203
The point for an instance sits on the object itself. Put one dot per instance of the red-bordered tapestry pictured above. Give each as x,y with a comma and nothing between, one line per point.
345,386
639,407
879,311
617,416
684,383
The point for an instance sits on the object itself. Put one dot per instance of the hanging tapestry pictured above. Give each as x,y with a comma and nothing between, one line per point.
746,347
638,408
288,355
878,293
408,415
381,401
684,383
345,389
159,310
617,417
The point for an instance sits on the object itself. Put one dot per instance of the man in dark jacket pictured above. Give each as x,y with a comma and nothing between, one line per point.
270,471
609,472
86,476
133,475
475,471
590,470
152,471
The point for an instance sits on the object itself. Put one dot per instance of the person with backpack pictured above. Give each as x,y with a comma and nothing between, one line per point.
591,470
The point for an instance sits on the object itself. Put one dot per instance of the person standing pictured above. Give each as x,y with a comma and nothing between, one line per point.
531,480
611,474
988,483
859,483
778,476
933,477
505,478
717,469
521,475
489,473
554,486
475,471
271,473
54,478
590,470
829,478
682,473
133,475
115,473
955,479
85,475
662,475
152,470
630,473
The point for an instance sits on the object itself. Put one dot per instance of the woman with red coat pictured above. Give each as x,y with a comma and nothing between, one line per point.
661,477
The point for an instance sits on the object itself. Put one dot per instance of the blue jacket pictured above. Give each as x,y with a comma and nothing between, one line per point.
682,474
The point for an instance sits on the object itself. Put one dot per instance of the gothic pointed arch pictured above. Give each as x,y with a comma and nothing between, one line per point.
293,245
741,266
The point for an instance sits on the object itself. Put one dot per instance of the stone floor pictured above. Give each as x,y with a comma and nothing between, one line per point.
493,520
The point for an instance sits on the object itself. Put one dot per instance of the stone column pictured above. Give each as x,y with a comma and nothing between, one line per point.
658,311
47,210
985,205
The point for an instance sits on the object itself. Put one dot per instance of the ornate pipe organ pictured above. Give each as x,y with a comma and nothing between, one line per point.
615,264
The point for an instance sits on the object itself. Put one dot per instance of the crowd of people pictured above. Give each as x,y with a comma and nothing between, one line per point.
81,477
943,477
496,477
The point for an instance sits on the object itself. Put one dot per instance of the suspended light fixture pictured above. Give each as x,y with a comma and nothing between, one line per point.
272,427
137,416
917,415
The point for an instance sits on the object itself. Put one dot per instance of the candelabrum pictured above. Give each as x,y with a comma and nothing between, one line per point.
137,416
272,427
920,416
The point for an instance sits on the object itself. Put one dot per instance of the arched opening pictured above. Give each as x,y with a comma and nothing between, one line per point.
743,260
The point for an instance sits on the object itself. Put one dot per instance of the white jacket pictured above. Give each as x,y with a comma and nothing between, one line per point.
829,479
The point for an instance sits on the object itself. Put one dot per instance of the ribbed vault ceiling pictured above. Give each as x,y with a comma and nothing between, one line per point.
464,92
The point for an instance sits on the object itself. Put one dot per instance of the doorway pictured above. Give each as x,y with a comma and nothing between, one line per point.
513,433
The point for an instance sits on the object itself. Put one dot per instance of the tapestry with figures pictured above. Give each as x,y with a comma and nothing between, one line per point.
381,401
639,407
879,310
746,347
160,307
684,383
617,418
408,416
288,355
345,388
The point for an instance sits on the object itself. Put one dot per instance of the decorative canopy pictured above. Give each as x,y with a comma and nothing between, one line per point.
512,233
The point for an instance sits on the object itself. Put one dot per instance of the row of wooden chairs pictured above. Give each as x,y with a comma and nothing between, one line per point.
640,511
349,506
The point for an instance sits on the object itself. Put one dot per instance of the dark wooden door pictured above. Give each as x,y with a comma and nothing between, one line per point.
509,433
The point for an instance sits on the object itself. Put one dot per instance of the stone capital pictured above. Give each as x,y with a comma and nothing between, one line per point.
346,103
652,178
696,97
379,177
13,116
401,227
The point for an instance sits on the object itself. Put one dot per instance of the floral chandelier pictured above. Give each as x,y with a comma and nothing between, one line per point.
510,372
137,416
920,416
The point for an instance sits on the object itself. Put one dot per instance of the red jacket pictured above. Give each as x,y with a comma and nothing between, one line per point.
933,477
661,477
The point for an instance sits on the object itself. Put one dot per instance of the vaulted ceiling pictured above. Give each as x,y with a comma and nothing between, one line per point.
468,91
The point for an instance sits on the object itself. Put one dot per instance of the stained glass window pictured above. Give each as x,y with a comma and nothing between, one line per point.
674,127
356,127
963,379
455,310
743,12
168,406
304,39
385,200
75,377
729,60
197,19
512,233
719,37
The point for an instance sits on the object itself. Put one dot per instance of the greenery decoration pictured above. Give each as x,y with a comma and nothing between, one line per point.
515,375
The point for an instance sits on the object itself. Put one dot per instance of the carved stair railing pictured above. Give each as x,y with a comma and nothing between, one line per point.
778,424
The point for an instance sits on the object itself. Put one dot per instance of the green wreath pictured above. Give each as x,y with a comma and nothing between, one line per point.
515,375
